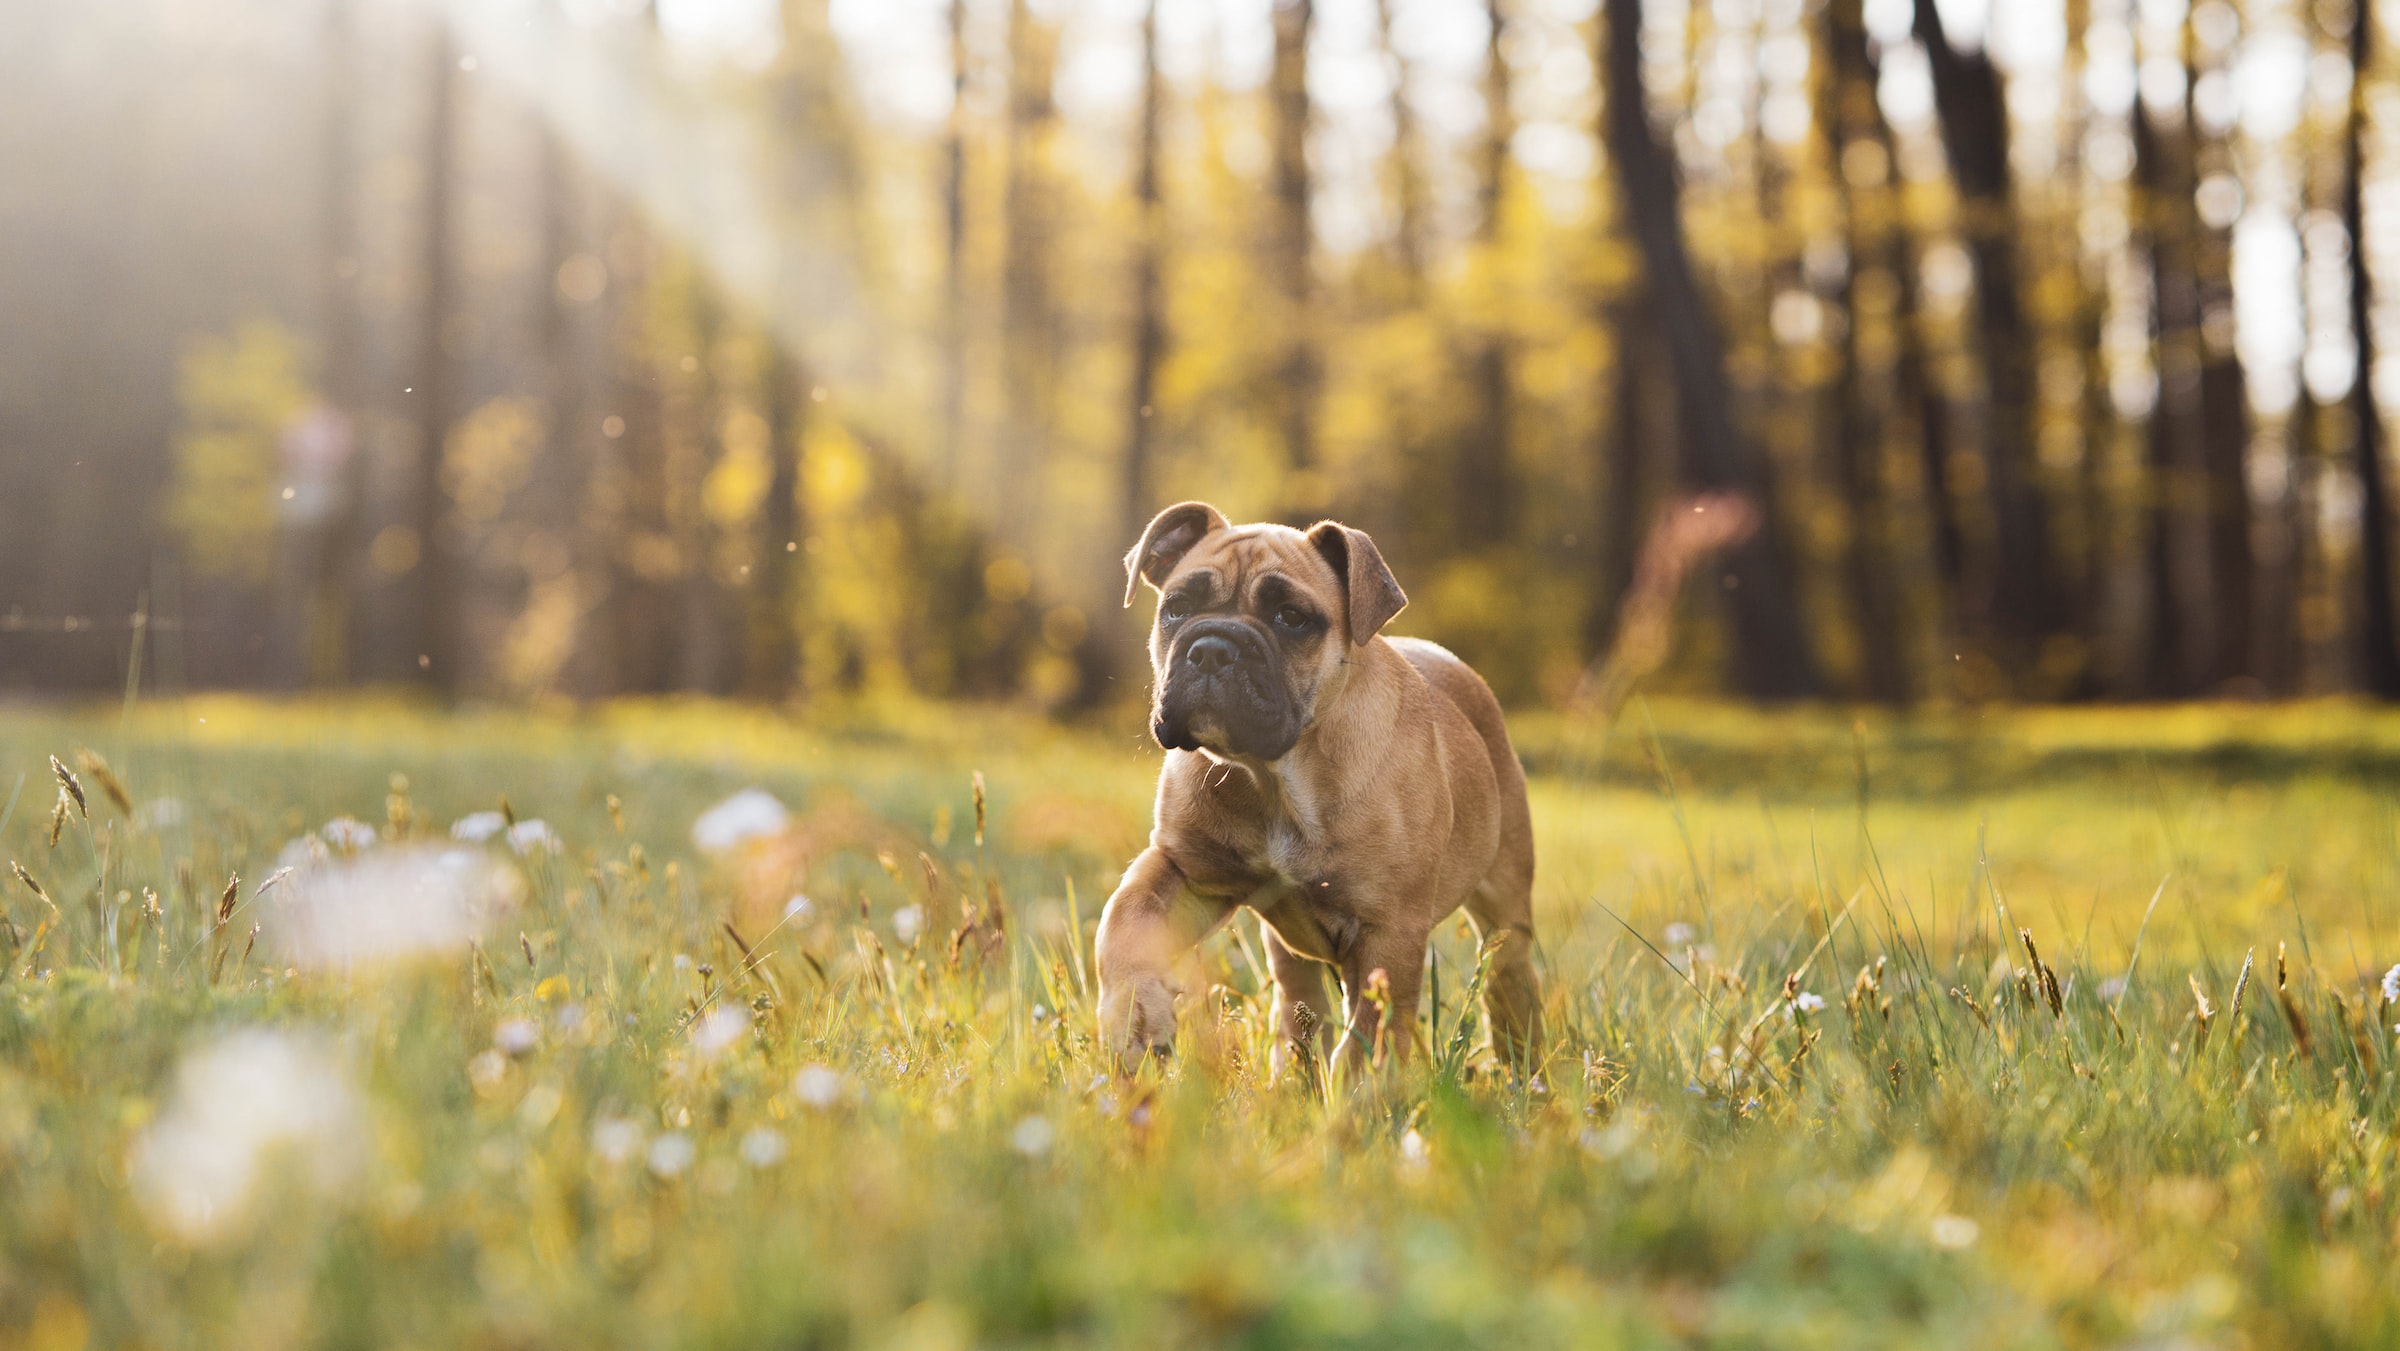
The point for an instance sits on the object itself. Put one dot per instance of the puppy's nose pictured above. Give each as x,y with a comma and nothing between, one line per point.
1211,654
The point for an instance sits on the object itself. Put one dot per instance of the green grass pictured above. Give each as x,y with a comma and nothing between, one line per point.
1695,1167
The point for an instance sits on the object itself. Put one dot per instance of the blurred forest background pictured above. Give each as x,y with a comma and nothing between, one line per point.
794,348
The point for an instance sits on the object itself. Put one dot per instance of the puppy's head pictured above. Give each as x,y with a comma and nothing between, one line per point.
1255,623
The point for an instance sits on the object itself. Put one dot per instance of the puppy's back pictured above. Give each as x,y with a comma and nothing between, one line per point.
1457,682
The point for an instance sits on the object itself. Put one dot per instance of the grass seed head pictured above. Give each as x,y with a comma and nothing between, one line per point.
31,885
225,902
69,785
979,809
107,779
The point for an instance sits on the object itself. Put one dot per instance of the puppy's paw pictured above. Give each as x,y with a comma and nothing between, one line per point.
1137,1019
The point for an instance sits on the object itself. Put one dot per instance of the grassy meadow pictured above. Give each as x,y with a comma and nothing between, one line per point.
834,1084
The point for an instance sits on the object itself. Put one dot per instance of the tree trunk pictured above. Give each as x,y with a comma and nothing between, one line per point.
1407,167
1136,503
1624,454
1028,324
1771,657
954,276
434,601
1291,251
1484,501
2183,619
1860,438
774,655
2023,602
338,558
2379,645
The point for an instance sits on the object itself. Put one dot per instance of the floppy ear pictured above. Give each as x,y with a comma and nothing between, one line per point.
1171,535
1374,595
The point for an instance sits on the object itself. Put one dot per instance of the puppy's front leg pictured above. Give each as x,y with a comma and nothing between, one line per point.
1400,956
1151,920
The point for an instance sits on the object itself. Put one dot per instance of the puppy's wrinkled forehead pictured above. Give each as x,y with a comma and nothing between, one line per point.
1236,558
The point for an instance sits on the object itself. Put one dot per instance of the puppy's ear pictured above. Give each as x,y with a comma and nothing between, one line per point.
1171,535
1374,595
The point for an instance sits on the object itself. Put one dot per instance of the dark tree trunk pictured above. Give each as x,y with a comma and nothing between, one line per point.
1860,438
2023,604
1136,502
432,609
1771,657
1624,454
1028,323
774,655
1291,244
337,558
702,657
2183,619
1407,167
2379,645
1484,501
954,276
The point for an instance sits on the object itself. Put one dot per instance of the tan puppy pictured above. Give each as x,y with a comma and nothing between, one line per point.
1352,789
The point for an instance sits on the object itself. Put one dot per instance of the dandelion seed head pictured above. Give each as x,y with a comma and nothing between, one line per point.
614,1139
719,1029
671,1154
748,815
388,905
762,1148
819,1086
236,1100
348,834
534,837
1032,1137
1955,1232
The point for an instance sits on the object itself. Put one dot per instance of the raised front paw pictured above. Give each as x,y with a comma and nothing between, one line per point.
1137,1019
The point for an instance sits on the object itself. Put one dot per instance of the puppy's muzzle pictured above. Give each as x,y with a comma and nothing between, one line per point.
1222,685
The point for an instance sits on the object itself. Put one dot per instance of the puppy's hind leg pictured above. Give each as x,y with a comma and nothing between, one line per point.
1502,908
1304,1020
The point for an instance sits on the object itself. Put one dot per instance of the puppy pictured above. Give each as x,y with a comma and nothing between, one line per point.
1352,789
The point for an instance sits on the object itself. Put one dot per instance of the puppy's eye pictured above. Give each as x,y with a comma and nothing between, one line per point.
1175,607
1291,617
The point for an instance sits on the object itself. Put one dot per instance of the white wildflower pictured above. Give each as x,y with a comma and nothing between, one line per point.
476,827
530,837
799,910
907,922
517,1037
197,1166
1680,933
819,1086
672,1153
762,1148
1032,1137
719,1028
2391,986
1413,1149
348,834
1807,1002
747,815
